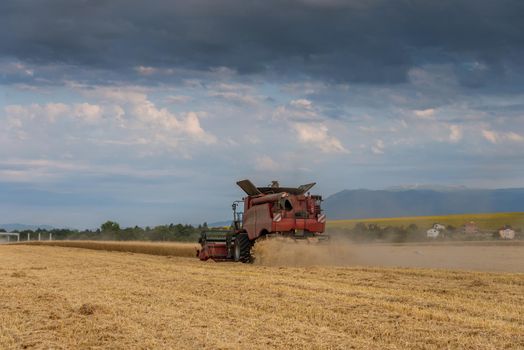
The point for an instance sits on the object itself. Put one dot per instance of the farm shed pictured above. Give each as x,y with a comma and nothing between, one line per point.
432,233
507,233
471,228
9,236
439,227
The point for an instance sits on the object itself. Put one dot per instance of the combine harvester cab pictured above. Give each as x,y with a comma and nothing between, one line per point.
271,211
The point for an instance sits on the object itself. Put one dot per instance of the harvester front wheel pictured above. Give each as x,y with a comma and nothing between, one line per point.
243,248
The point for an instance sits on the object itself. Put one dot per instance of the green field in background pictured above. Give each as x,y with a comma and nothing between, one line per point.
489,221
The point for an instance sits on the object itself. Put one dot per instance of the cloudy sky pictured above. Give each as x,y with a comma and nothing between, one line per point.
147,112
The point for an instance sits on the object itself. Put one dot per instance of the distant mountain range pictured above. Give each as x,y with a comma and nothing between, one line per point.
22,227
421,201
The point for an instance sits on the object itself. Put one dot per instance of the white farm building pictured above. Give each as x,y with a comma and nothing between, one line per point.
507,233
432,233
6,237
435,231
439,227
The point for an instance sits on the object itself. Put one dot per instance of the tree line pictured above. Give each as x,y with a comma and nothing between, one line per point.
111,230
361,232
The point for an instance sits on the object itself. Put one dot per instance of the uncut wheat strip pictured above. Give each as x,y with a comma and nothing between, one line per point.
165,249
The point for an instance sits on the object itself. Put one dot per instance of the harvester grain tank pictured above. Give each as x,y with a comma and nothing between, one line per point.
271,211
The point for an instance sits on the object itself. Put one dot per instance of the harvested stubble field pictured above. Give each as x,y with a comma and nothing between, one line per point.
68,298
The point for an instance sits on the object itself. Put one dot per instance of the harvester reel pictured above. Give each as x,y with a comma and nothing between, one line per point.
242,250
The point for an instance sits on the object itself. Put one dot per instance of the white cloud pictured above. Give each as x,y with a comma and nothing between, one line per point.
193,83
266,163
238,87
236,93
424,113
127,113
476,66
167,124
16,68
302,103
316,135
514,137
191,125
298,110
88,112
35,170
145,70
223,72
177,99
305,88
13,122
55,110
496,137
455,133
117,113
115,95
378,147
236,97
10,175
46,170
49,112
142,114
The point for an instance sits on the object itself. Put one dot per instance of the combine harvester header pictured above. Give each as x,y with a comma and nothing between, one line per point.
270,211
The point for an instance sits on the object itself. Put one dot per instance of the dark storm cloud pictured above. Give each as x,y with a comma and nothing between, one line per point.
359,41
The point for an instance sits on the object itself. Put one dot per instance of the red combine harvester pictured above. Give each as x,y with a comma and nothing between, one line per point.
268,212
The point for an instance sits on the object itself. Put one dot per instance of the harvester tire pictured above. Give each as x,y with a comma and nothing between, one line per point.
242,251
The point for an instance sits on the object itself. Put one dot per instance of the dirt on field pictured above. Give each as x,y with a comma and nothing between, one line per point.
70,298
478,256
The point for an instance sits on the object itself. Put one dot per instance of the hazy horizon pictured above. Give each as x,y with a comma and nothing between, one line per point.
425,187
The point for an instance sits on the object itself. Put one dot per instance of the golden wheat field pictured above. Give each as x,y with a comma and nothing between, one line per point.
70,298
